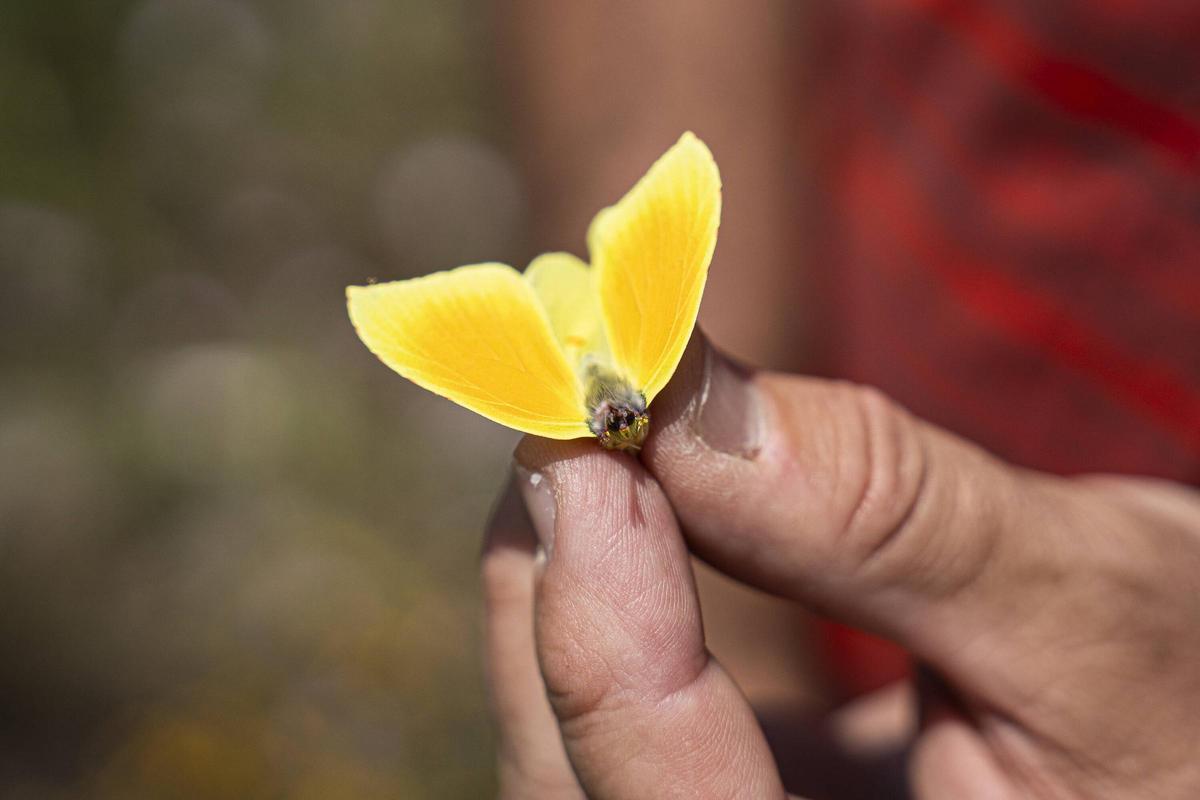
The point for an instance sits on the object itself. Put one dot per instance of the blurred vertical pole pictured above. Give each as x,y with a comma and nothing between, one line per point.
599,90
602,88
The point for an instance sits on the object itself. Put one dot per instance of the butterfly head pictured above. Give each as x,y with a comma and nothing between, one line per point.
621,427
617,412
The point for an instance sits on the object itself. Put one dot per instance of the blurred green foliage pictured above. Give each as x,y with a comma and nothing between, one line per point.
237,554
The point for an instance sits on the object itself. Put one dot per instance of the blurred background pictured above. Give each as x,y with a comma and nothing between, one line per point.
237,554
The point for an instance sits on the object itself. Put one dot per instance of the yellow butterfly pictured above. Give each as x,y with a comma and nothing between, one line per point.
565,350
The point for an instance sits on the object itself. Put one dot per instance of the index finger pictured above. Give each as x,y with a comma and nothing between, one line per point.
643,708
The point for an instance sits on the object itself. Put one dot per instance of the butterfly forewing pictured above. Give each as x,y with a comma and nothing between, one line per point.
477,336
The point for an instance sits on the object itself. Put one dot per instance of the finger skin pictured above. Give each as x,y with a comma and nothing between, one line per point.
644,710
844,502
530,755
1065,612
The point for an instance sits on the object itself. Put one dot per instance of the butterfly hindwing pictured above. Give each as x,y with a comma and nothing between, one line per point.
566,288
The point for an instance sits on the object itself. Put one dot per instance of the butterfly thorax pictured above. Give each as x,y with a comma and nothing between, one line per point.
616,411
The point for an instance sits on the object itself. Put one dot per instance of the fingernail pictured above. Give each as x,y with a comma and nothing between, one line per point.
729,417
538,494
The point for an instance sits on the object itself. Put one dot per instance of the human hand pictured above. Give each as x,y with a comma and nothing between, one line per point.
1061,615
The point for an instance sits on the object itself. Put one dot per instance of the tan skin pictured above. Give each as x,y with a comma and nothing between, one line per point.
1061,616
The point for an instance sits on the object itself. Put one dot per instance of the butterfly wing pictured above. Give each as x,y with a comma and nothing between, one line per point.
478,336
652,250
566,288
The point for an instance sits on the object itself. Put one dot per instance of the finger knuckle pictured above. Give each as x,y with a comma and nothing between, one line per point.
578,679
597,671
504,583
887,473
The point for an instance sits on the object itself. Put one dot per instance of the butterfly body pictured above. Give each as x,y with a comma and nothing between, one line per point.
566,349
617,412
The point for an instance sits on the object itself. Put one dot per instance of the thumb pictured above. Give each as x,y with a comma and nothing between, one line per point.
1061,612
830,494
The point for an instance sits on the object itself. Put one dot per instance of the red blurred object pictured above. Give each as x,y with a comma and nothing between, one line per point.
858,662
1010,228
